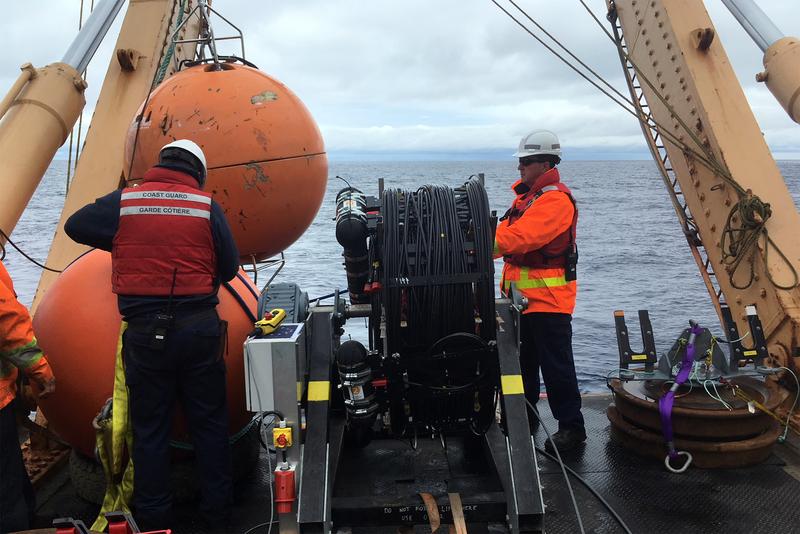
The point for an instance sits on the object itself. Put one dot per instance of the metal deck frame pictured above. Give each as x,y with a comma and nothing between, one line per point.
508,446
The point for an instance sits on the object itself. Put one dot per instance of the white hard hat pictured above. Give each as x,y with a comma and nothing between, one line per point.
192,148
539,143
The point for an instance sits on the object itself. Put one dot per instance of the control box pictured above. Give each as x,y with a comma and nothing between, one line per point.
274,367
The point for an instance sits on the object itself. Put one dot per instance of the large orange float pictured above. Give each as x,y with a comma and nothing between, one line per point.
268,170
267,165
78,325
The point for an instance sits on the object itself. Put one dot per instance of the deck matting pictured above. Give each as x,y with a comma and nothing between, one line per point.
760,499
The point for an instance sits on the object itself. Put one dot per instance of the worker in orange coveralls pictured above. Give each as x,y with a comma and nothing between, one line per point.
18,352
536,238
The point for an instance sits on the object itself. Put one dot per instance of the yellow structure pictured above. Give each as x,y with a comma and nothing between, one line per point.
782,75
37,116
706,140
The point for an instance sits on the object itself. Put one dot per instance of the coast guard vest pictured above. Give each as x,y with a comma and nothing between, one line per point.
164,245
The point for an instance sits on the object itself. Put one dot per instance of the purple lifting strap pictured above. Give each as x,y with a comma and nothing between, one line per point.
666,402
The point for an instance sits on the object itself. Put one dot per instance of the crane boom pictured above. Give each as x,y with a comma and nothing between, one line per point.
715,163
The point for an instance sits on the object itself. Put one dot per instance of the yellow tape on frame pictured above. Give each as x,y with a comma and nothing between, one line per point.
319,390
512,384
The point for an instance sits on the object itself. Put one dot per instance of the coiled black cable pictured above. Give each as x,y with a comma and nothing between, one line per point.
437,275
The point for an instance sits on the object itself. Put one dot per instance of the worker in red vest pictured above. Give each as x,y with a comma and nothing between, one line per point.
536,238
18,352
171,249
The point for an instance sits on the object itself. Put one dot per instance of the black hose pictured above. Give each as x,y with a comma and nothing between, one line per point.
3,256
245,281
434,249
323,297
240,300
566,469
593,491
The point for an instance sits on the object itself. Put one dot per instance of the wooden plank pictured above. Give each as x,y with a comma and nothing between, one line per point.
457,509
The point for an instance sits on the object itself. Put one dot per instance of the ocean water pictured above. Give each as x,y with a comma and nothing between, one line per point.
632,252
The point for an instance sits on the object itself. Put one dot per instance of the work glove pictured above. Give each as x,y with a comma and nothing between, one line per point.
42,375
48,386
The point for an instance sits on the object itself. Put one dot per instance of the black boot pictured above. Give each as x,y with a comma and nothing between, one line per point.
565,439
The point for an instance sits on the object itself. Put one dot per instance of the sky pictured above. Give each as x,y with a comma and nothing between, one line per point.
428,79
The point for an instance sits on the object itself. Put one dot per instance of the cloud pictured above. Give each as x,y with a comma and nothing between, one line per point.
442,76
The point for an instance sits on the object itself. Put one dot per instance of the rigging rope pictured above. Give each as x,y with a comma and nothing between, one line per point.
712,163
745,227
655,126
80,117
162,71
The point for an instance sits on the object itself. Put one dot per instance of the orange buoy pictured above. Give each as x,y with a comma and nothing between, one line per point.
77,325
267,165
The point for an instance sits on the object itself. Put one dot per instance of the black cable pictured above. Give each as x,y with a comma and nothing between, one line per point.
593,491
323,297
261,418
246,281
431,235
3,256
240,300
276,413
269,451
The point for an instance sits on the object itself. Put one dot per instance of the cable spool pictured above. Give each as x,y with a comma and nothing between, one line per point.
438,300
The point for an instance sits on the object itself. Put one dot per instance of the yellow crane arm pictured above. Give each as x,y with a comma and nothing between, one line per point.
715,163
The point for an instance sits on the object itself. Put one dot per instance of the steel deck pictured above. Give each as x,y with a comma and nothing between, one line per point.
760,499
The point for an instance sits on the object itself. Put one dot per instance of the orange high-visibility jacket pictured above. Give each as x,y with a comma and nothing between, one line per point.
18,347
546,218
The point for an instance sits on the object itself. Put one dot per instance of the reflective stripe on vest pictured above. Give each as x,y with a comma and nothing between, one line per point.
165,210
140,208
524,282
